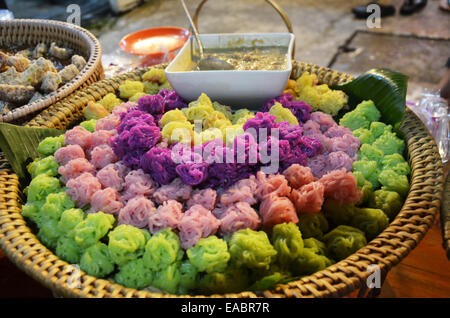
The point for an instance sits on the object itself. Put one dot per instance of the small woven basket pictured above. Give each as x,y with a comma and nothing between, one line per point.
341,279
31,32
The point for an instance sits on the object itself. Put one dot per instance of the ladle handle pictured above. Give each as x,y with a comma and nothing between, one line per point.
275,5
194,28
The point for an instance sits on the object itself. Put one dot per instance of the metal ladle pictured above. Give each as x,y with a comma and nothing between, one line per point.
205,63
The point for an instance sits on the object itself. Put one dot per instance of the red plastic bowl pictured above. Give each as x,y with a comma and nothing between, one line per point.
154,42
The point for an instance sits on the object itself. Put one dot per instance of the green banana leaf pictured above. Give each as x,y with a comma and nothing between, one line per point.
385,87
20,146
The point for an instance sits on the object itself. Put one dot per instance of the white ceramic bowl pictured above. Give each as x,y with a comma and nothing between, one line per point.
234,88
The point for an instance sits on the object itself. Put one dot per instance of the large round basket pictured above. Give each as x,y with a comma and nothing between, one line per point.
341,279
31,32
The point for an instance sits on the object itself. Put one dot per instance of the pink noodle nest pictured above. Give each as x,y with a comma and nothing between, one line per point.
136,212
176,190
169,214
109,122
100,137
107,201
275,210
311,128
137,182
325,121
122,108
275,184
82,188
341,186
238,216
242,191
338,160
78,136
197,222
309,198
298,175
64,154
205,197
103,155
318,165
347,143
75,168
337,131
110,177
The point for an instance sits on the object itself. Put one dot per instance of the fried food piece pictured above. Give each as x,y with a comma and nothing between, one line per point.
68,72
18,94
3,59
19,62
35,73
39,50
50,82
78,61
59,52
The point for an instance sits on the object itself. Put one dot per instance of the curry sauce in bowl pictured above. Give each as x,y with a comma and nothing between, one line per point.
262,63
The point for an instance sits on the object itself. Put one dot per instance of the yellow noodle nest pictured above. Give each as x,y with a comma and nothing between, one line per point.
176,131
155,75
319,97
109,101
283,114
129,88
172,115
241,116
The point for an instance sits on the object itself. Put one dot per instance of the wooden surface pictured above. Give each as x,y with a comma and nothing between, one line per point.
424,273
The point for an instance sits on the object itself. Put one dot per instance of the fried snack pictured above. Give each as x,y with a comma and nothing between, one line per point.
68,73
17,94
78,61
50,82
39,50
59,52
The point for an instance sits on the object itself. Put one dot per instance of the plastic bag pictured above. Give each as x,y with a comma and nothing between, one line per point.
434,113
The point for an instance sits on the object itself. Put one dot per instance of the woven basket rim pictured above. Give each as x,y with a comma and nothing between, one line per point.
92,64
386,250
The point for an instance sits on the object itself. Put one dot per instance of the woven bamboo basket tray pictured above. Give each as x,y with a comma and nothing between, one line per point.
341,279
31,32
